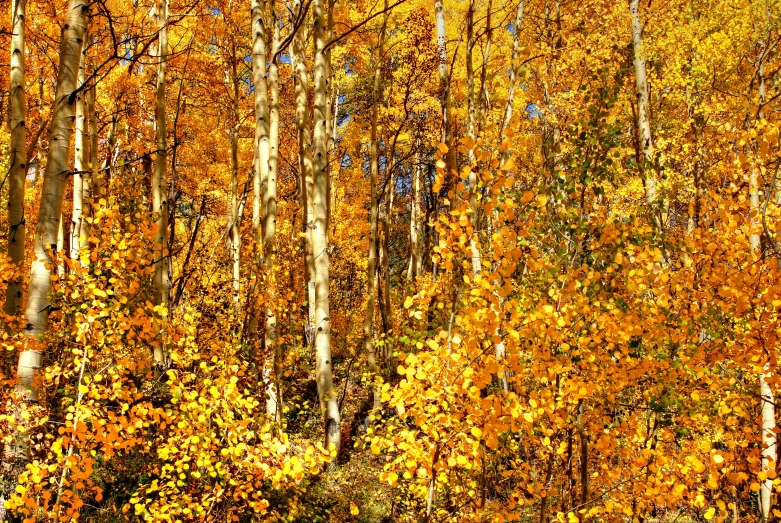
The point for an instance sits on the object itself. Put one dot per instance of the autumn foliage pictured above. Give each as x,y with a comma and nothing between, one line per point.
451,261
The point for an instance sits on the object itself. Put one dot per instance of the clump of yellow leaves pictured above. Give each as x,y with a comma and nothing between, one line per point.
217,452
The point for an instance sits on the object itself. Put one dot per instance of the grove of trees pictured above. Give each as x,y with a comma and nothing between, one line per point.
390,261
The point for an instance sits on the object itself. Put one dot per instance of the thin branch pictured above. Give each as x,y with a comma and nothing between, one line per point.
335,40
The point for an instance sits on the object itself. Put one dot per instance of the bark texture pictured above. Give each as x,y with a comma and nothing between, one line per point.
306,167
18,160
323,366
262,148
162,277
55,176
645,141
273,390
81,177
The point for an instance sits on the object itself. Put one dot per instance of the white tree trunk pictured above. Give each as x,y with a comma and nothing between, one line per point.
262,150
298,55
18,159
447,131
94,190
233,219
273,389
472,133
50,211
82,143
513,77
329,100
415,255
387,221
768,408
325,387
160,179
643,115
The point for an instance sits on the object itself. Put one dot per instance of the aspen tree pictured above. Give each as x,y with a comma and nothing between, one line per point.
485,98
551,133
512,79
329,106
470,77
18,160
235,232
444,100
81,181
262,151
162,277
273,391
323,365
643,116
303,126
391,141
499,347
767,407
385,251
444,80
50,211
94,177
374,168
472,135
415,229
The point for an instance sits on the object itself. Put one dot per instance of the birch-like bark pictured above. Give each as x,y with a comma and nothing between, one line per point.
94,189
162,277
50,210
385,260
234,225
262,146
768,409
485,98
303,126
325,387
79,232
415,254
329,122
499,347
643,117
273,389
18,159
444,100
447,131
470,75
374,169
472,134
513,77
112,153
333,177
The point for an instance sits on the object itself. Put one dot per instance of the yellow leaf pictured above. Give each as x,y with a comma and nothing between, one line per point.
353,509
710,513
393,478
